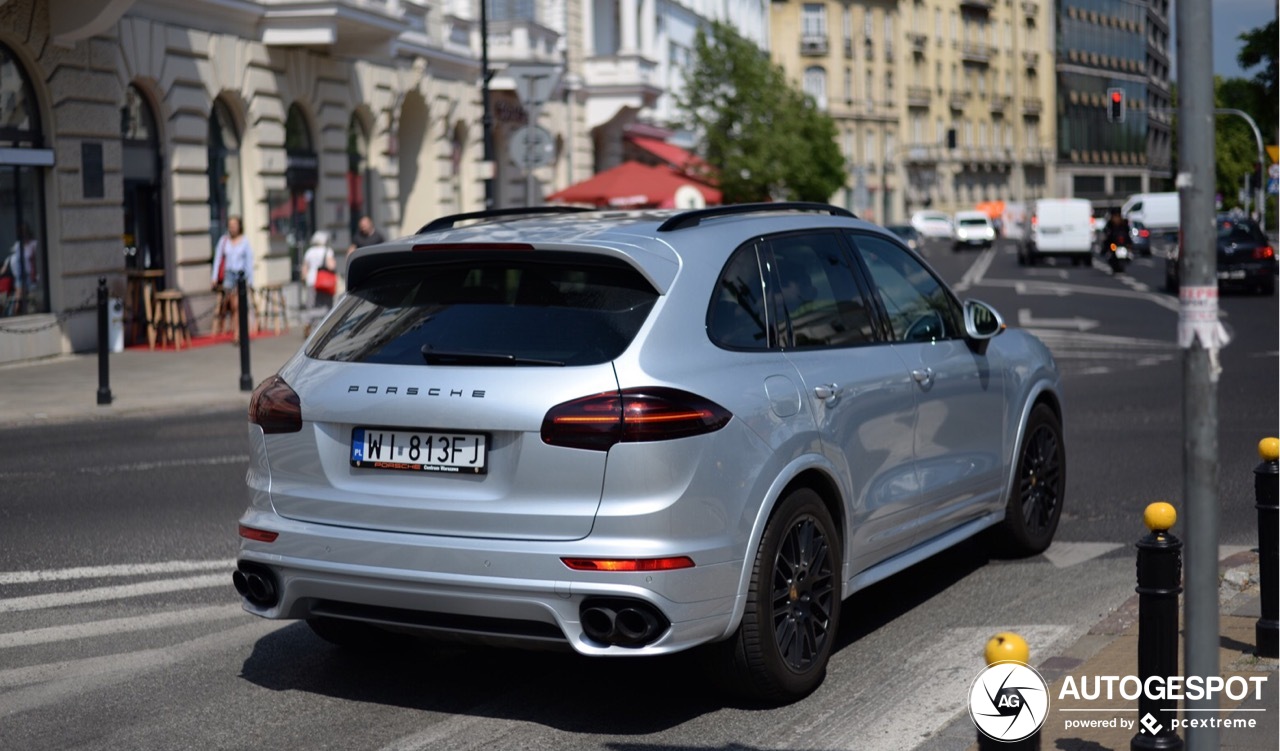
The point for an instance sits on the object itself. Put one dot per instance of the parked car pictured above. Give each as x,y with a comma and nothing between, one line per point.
1246,258
972,229
1060,228
908,235
634,433
935,224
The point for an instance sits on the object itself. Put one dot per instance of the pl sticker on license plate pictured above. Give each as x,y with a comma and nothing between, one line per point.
419,450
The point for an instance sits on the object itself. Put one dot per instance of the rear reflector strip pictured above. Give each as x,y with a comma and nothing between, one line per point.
629,564
258,535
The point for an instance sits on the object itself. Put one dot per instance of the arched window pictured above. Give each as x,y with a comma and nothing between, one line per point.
302,175
143,235
23,163
225,195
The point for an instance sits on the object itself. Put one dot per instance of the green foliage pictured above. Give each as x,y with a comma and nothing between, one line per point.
1235,146
765,139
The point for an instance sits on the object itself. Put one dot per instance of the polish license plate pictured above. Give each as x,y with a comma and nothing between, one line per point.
419,450
1236,274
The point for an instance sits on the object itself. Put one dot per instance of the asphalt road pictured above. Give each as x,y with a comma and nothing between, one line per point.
119,627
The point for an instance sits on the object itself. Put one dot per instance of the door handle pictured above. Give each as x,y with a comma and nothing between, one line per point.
828,392
923,376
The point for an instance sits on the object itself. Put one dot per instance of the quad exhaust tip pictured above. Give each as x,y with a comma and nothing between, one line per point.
256,584
621,622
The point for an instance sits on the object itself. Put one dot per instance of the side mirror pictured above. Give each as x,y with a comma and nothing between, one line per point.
981,321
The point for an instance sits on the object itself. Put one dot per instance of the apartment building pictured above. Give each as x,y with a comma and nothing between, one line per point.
1105,45
898,77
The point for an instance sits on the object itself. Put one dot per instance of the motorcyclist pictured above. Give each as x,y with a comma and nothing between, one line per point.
1116,231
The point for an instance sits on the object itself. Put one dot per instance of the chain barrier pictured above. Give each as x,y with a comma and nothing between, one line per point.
90,303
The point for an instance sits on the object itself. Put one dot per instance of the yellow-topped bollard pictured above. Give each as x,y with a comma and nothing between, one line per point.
1006,645
1160,516
1269,449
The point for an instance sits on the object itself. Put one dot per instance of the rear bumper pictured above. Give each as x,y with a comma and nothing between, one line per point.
493,590
1245,272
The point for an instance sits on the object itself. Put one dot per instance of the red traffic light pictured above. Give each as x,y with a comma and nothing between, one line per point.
1116,97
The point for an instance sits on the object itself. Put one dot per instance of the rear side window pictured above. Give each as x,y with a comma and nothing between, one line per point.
823,304
546,310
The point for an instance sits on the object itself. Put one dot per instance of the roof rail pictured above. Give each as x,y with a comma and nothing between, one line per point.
448,222
693,218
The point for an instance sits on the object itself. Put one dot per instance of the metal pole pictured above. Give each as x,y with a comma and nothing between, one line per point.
104,345
1200,336
242,298
486,118
1265,483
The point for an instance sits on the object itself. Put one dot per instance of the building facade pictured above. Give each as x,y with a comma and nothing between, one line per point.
1104,45
899,77
133,129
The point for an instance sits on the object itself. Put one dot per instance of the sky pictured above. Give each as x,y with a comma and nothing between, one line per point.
1230,19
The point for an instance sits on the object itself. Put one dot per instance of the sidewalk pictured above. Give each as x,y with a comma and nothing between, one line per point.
1110,648
141,380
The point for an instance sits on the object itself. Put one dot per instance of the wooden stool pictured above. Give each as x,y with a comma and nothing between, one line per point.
138,302
170,318
272,313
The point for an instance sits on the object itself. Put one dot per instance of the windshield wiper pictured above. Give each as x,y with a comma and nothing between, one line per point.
439,357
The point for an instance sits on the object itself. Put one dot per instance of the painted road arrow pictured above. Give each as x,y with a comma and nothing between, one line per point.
1079,324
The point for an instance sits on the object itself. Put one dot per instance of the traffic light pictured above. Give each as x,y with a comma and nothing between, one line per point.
1115,105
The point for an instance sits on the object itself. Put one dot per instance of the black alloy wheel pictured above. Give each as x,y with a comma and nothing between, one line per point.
781,649
1035,501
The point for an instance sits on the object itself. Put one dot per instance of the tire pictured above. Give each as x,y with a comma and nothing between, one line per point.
780,651
1039,484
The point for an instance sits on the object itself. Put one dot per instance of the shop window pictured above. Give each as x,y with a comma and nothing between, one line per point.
24,161
225,193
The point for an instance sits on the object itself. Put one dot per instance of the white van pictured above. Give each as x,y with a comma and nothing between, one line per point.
1153,210
1060,228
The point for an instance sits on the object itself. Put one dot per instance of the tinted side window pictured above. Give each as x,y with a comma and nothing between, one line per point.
823,304
737,316
918,306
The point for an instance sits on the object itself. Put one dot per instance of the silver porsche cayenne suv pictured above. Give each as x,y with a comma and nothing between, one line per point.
634,433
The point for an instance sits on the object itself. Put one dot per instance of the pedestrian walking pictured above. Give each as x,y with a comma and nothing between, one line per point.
366,234
232,259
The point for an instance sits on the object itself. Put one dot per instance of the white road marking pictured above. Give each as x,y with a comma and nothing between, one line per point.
49,684
1079,324
98,594
1066,554
1168,302
975,272
91,629
102,572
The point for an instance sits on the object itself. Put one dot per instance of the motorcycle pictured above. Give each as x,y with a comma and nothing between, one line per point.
1118,257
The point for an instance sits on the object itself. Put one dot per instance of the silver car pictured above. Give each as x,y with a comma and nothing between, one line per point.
634,433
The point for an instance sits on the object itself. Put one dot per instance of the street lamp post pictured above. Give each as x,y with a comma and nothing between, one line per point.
486,117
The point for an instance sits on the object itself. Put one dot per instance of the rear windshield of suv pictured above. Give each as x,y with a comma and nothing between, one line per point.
490,310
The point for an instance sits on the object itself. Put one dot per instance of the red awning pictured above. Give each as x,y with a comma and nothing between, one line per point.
677,158
632,185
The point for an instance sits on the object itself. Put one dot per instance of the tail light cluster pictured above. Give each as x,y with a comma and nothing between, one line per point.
275,407
1263,253
630,416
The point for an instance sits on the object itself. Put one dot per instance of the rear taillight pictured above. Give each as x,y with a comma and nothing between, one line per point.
629,564
1144,233
630,416
275,407
1263,253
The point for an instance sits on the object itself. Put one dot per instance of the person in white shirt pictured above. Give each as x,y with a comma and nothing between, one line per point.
319,255
232,259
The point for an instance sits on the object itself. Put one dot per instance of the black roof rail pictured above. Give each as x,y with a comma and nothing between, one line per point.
448,222
693,218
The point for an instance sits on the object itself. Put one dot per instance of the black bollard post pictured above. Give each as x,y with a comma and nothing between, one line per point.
1159,584
104,345
242,298
1265,478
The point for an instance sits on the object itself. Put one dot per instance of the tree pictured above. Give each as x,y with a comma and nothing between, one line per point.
1260,49
765,139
